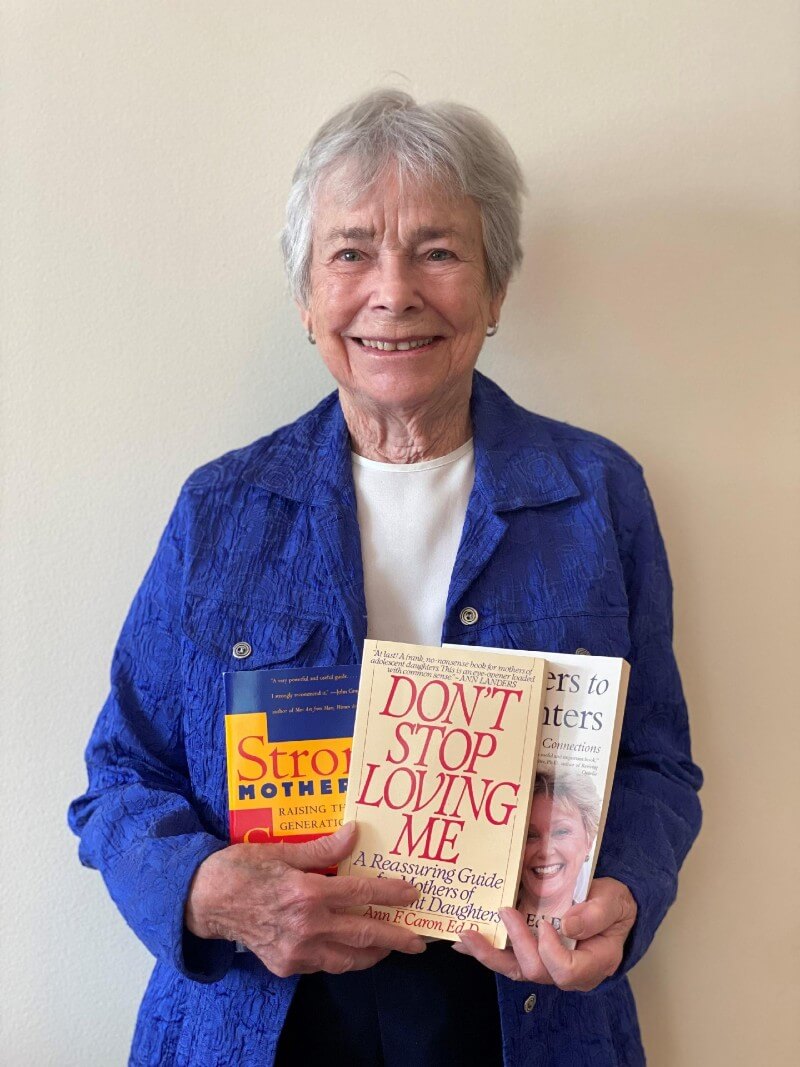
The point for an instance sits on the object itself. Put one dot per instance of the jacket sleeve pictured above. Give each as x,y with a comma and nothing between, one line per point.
136,821
654,812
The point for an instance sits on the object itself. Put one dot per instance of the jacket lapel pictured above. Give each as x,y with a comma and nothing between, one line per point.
340,543
482,533
517,465
310,464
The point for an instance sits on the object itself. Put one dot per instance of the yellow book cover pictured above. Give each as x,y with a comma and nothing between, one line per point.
288,735
444,751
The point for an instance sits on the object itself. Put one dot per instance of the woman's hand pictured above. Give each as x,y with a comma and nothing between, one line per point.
263,896
599,925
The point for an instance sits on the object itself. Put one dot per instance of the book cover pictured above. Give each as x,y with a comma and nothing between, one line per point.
444,751
582,716
288,737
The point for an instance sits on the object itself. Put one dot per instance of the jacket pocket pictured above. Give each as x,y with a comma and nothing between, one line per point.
241,637
220,636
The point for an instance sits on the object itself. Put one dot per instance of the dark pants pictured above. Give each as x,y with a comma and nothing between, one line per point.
432,1010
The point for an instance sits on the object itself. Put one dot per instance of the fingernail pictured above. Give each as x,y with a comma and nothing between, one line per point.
420,946
458,947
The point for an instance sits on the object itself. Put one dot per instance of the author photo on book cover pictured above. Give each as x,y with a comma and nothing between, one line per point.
562,829
419,503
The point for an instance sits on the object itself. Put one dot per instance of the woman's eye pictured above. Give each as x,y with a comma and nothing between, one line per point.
349,255
438,255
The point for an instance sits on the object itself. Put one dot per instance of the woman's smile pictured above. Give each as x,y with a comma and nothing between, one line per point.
400,345
546,872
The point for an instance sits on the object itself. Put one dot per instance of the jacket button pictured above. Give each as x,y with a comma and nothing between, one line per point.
241,650
468,616
529,1004
582,652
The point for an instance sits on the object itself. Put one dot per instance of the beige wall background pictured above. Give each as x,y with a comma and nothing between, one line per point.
147,149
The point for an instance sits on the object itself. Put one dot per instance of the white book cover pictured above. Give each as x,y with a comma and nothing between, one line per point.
582,715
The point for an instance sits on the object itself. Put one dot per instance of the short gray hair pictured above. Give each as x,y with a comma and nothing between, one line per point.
449,144
573,790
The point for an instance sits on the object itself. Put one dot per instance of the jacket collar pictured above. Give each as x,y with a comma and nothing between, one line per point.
517,463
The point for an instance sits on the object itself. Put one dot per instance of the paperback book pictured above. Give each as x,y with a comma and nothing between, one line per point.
288,737
444,751
582,716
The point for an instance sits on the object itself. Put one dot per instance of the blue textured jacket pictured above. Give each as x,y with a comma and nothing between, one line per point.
560,550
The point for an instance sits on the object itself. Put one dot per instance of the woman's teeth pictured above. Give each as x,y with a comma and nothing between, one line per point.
400,346
544,871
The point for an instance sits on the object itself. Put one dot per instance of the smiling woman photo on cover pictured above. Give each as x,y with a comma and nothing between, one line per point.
562,829
417,502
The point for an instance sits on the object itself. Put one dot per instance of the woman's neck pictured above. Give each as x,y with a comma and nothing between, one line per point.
394,436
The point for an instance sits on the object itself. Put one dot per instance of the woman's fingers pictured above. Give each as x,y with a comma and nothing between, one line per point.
526,947
556,959
521,962
357,932
348,891
330,957
336,959
316,855
503,961
582,968
543,958
610,903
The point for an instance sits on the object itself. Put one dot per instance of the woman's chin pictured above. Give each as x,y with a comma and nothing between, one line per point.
405,380
402,389
552,896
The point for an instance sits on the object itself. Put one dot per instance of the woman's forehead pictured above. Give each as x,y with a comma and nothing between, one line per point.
345,207
559,806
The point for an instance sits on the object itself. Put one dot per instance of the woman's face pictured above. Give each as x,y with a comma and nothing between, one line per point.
399,266
556,848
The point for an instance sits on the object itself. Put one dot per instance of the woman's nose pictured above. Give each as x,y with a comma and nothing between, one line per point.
396,289
547,845
539,848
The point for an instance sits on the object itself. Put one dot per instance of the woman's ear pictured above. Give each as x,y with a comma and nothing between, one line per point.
305,316
495,304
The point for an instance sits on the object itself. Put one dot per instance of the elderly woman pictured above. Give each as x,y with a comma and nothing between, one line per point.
417,503
562,829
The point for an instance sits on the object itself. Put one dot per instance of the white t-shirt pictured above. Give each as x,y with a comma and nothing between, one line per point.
410,516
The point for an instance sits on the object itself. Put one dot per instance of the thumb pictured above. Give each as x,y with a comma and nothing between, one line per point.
324,852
